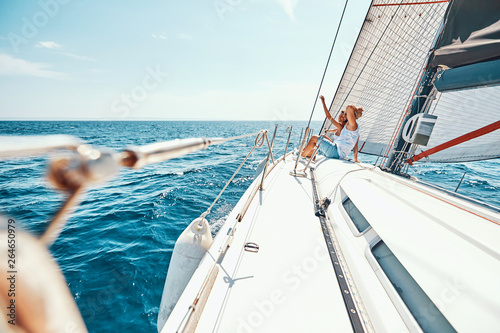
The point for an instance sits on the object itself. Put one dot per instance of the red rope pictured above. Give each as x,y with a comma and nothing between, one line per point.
466,137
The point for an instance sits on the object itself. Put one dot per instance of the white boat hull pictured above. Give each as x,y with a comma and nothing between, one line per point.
448,245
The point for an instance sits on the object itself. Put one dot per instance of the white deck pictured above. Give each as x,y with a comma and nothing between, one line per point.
289,285
450,247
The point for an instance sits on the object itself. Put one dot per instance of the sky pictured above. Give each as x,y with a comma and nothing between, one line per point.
171,60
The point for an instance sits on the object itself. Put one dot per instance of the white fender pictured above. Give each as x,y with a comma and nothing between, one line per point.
189,249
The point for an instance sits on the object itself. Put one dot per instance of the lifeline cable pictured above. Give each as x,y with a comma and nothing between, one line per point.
259,142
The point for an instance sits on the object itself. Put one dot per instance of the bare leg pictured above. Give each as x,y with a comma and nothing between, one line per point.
309,148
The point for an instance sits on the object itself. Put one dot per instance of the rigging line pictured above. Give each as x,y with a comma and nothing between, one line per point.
259,142
399,159
362,168
345,70
400,122
327,63
436,103
366,63
395,133
222,140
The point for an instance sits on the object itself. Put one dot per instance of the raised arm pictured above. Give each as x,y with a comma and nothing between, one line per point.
328,115
351,118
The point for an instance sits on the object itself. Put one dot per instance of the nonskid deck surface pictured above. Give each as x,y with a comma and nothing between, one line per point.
289,285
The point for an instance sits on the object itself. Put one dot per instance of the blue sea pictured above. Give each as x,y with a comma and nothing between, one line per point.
115,248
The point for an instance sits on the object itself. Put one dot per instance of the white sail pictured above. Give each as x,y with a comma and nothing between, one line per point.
462,112
382,75
385,65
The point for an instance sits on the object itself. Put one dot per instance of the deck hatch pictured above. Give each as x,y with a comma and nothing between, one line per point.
357,218
425,312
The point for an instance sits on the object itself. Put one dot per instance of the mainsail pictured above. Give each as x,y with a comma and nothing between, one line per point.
470,42
471,34
462,112
385,64
383,73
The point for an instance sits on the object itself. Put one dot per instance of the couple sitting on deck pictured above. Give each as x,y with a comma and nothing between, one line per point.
346,135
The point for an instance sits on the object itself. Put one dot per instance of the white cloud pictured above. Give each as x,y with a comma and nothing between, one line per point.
18,67
163,35
75,56
289,7
159,36
53,45
48,45
184,36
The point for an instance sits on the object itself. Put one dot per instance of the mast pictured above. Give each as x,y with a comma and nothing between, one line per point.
464,56
421,103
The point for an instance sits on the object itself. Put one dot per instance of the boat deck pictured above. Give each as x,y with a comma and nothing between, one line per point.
447,247
291,277
289,285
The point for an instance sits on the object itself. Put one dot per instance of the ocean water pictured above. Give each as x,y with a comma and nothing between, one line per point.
115,248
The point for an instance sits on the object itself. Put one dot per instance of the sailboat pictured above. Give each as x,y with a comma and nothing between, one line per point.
330,245
326,245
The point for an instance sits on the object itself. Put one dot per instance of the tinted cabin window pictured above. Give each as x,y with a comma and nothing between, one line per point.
421,307
357,218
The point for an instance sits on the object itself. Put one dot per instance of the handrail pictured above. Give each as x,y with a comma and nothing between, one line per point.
289,130
306,133
212,270
259,142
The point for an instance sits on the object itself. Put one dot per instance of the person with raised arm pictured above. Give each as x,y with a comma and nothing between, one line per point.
347,139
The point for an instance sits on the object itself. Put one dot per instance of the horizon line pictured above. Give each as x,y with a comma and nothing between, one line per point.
137,119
